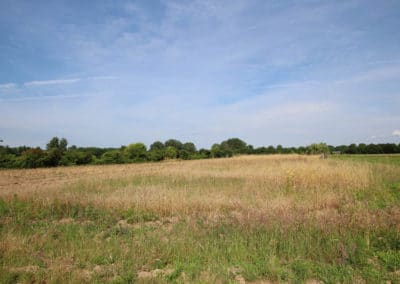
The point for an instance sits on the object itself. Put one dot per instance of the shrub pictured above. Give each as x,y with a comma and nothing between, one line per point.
112,157
136,152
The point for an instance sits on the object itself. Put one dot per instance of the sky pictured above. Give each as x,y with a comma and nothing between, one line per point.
110,73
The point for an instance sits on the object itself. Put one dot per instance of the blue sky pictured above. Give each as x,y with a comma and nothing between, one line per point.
108,73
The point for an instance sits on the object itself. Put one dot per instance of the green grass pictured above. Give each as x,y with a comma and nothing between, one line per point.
93,243
391,159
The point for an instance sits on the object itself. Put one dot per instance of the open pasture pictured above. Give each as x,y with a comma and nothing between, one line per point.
261,219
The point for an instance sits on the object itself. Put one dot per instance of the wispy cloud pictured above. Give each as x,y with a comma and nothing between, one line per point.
391,70
8,86
46,97
51,82
396,132
103,78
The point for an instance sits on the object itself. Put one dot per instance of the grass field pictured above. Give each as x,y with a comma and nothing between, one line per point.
249,219
393,159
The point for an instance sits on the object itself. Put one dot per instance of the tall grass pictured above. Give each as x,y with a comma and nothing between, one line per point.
271,218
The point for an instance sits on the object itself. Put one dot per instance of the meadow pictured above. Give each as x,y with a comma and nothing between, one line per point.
246,219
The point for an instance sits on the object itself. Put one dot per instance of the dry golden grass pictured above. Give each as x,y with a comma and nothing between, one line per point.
288,187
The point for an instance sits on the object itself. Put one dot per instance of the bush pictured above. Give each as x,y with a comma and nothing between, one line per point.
32,158
136,152
75,157
157,146
216,151
184,155
170,152
112,157
234,146
320,148
155,155
189,147
7,160
174,143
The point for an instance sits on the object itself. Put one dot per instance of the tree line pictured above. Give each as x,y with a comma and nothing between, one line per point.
57,152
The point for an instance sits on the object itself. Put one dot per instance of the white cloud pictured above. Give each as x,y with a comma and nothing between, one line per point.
51,82
388,71
49,97
396,132
7,86
103,78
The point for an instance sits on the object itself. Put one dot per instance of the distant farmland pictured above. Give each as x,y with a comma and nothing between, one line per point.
261,219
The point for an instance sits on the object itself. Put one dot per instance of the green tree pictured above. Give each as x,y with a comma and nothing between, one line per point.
174,143
69,158
216,151
54,143
63,144
184,155
157,146
156,155
342,148
189,147
170,152
55,150
389,148
32,158
374,149
362,148
204,154
271,150
352,149
317,148
234,146
53,157
136,152
249,149
84,158
301,150
7,160
77,157
112,157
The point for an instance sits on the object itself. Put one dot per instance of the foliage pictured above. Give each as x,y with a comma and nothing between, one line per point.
189,147
56,143
157,146
112,157
174,143
216,151
57,153
7,160
204,153
234,146
32,158
156,155
136,152
317,148
184,155
75,157
170,152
